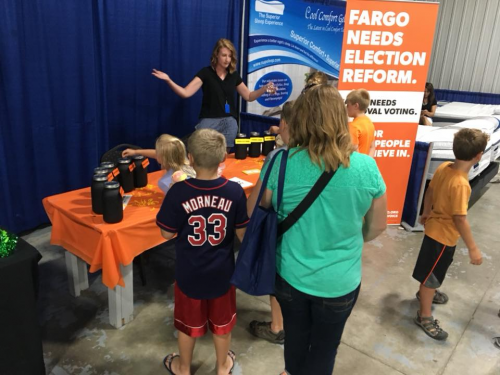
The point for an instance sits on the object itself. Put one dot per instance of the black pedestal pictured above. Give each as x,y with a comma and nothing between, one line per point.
20,334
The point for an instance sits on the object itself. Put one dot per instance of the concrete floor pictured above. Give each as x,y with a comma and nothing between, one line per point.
380,337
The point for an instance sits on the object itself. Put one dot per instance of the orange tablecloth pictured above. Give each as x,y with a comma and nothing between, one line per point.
107,246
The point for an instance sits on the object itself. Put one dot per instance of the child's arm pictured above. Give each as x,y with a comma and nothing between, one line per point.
375,219
427,205
463,228
149,153
371,151
274,129
167,235
240,232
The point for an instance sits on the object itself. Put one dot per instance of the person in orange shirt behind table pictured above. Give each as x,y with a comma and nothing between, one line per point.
361,128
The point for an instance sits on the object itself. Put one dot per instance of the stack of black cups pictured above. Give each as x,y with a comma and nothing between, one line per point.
105,188
106,196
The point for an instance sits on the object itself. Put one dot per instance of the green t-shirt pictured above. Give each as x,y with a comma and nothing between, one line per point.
321,253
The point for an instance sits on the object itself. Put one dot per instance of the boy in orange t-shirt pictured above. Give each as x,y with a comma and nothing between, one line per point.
361,128
445,219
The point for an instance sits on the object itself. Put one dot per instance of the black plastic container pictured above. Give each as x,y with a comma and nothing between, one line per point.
241,144
96,190
101,170
140,171
126,177
112,203
110,166
255,144
269,142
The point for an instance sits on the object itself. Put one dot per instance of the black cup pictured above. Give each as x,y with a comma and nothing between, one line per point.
126,177
96,190
112,203
140,171
241,144
269,142
255,144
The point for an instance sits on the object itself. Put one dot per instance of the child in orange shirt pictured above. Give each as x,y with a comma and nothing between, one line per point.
361,128
445,219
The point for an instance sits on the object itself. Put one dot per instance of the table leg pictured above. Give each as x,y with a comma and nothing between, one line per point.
121,300
78,279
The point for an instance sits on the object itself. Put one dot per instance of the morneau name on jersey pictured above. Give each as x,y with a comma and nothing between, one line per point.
207,201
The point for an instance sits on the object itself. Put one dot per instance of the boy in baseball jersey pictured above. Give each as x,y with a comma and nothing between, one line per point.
205,212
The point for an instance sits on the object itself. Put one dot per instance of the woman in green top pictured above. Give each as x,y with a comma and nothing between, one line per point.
318,260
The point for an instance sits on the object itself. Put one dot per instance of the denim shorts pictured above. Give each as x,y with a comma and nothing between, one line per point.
227,126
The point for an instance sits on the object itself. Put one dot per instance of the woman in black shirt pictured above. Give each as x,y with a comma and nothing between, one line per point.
219,81
429,105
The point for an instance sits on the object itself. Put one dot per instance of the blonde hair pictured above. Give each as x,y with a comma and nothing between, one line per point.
317,78
360,97
467,143
224,43
208,148
287,111
319,125
171,154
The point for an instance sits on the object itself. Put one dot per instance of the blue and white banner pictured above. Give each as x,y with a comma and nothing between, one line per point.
296,32
293,37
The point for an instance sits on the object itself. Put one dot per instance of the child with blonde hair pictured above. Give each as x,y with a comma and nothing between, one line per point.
170,152
361,128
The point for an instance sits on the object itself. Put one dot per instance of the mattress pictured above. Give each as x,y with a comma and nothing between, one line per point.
495,145
490,125
442,139
460,111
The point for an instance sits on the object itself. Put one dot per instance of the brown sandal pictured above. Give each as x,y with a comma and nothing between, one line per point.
431,327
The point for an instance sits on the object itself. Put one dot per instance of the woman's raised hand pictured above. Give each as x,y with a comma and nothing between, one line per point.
161,75
270,88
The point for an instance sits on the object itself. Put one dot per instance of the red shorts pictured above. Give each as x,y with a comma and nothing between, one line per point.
194,316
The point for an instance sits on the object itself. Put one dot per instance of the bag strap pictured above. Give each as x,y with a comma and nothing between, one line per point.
281,178
268,173
306,202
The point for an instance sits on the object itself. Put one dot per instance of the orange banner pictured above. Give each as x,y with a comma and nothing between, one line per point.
386,50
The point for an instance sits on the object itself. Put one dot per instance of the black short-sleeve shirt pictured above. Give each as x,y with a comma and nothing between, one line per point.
216,92
429,105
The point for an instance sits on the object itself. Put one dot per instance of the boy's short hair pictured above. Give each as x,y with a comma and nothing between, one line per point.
361,97
207,147
467,143
287,111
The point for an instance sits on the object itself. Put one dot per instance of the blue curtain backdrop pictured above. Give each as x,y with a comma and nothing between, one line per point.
75,80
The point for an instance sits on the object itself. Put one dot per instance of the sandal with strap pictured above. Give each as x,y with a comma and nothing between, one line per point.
263,330
232,355
496,342
440,298
431,327
167,362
